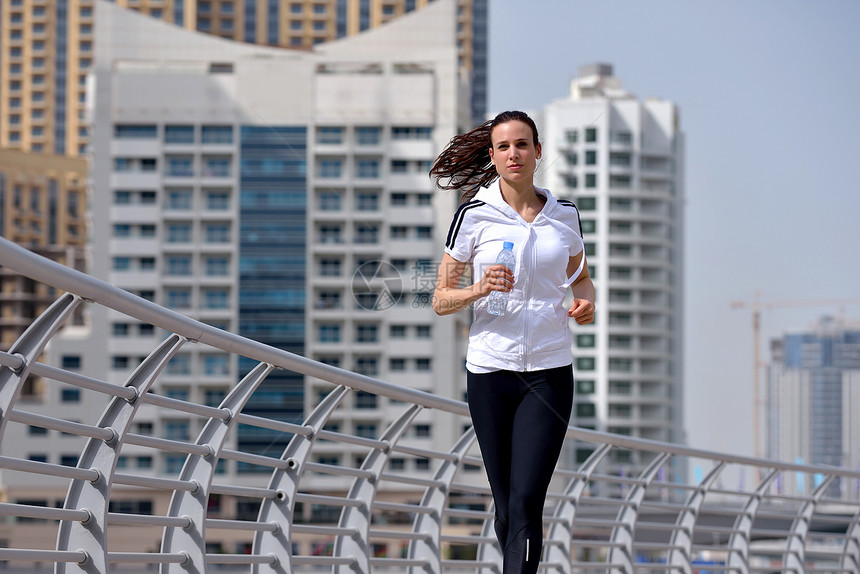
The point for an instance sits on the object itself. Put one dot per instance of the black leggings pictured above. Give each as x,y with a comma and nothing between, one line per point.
520,420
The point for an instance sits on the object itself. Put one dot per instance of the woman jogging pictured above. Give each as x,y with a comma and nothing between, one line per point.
520,377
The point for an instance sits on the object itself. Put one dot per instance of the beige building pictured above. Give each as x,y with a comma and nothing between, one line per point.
46,51
42,206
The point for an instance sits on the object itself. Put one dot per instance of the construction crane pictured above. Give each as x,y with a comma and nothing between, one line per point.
757,306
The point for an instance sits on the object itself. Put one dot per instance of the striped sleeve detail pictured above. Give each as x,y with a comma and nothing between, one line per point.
569,203
457,223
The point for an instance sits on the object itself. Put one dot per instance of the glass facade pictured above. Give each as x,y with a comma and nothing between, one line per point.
273,206
61,70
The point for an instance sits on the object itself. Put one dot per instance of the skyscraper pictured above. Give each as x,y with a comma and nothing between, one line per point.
622,163
813,395
278,194
42,206
46,51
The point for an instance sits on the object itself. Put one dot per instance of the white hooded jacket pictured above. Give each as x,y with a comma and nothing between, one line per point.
534,333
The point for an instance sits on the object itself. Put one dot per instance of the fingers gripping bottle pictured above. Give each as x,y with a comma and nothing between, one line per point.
497,301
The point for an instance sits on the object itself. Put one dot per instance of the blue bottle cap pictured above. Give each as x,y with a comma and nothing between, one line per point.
508,245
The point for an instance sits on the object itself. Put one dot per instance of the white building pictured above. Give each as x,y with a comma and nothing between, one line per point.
621,161
245,186
813,395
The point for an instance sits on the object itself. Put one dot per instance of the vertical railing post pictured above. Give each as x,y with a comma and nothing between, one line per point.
91,535
199,469
358,518
738,545
435,498
681,543
795,541
29,346
622,535
285,482
561,532
850,560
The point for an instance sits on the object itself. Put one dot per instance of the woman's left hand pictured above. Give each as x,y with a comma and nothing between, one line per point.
582,310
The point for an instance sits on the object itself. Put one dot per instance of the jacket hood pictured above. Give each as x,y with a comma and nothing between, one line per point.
492,196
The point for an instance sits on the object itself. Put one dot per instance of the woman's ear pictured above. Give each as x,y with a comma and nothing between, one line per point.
537,151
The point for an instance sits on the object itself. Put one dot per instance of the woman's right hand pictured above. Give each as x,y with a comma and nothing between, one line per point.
497,277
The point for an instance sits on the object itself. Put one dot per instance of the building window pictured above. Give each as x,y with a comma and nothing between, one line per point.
71,362
329,134
366,233
216,134
365,430
178,265
178,232
178,298
135,131
329,201
590,180
179,134
585,410
366,135
216,365
217,232
179,365
330,168
214,397
367,333
584,387
330,267
571,136
367,201
585,364
588,225
590,135
620,365
179,166
217,200
591,157
396,364
587,203
367,168
411,133
216,166
216,299
367,366
70,396
585,341
36,431
365,400
217,266
69,459
423,364
328,333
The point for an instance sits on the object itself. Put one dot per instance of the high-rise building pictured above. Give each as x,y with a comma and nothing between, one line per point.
46,51
813,395
42,206
621,161
278,194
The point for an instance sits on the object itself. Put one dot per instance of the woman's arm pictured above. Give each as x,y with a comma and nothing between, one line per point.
582,308
449,297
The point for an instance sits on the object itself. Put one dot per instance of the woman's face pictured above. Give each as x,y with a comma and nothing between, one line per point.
513,151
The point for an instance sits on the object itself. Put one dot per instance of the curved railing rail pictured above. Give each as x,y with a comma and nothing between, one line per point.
682,510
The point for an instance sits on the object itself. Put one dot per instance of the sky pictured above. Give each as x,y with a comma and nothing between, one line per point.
768,93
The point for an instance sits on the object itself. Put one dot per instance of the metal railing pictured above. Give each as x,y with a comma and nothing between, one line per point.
600,516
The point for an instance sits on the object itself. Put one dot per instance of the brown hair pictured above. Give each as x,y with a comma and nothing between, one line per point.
465,162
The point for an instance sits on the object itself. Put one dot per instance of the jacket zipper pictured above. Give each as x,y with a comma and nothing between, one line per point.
527,296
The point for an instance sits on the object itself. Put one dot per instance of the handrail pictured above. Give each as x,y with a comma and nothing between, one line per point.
630,503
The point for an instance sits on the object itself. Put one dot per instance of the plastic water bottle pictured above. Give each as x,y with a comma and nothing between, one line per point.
497,301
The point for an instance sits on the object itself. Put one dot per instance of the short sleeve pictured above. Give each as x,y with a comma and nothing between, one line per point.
570,218
460,243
